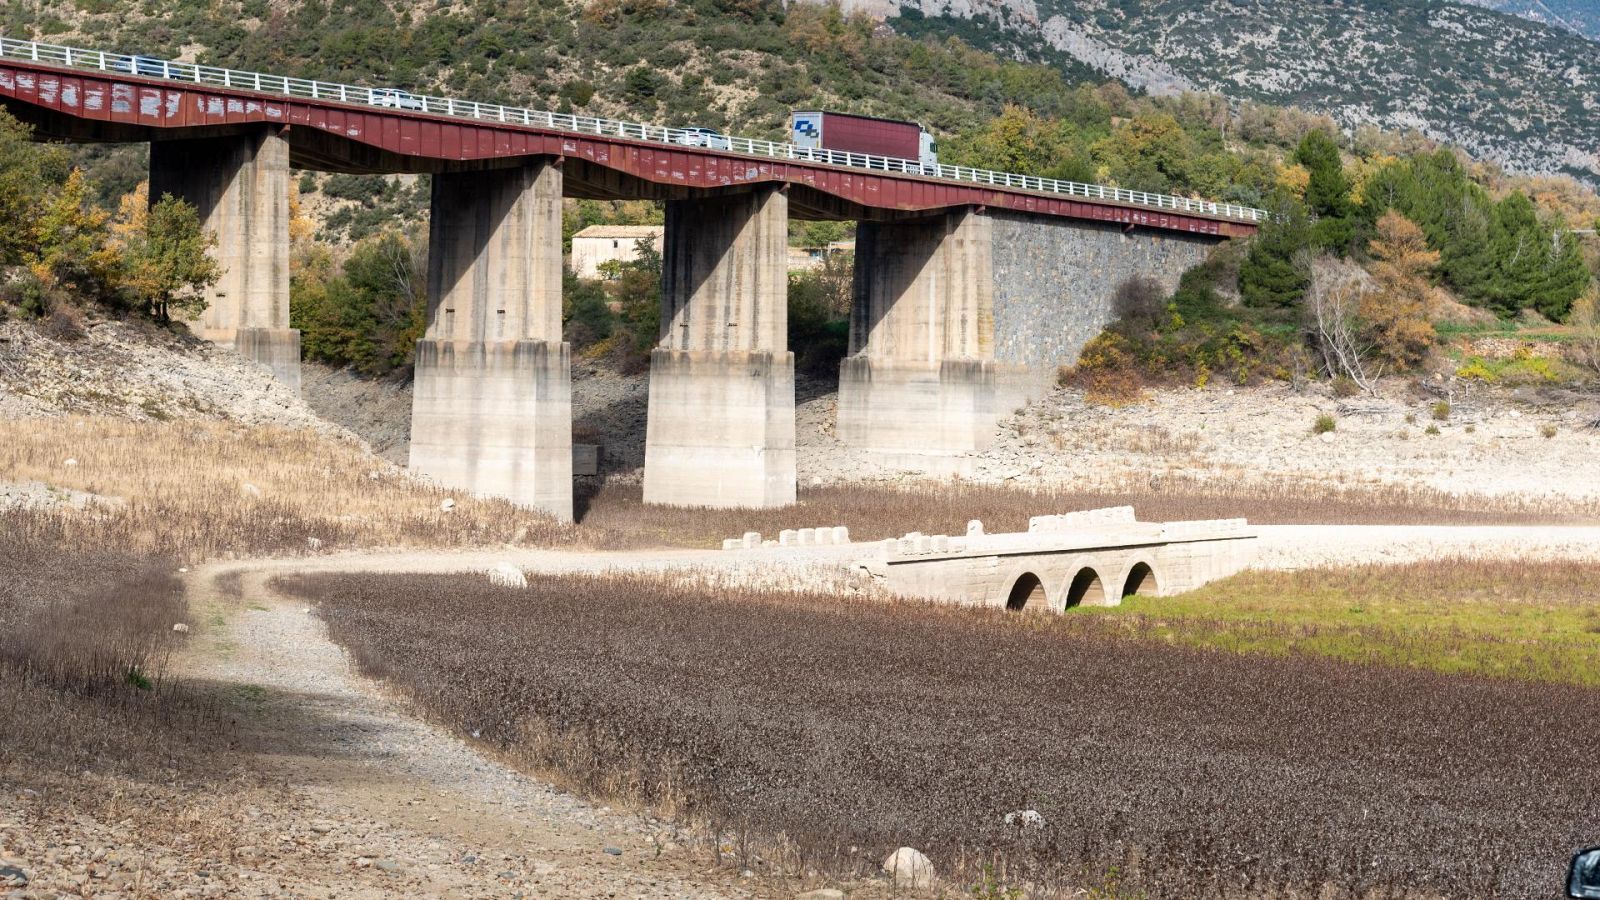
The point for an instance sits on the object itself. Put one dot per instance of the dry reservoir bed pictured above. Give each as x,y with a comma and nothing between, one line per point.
850,728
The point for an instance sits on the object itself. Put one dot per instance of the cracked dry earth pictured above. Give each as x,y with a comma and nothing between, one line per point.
386,805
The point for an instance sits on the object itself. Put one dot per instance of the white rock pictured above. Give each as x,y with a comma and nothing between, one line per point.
1025,819
909,868
507,575
448,504
70,462
314,543
181,628
821,894
250,490
1326,437
975,528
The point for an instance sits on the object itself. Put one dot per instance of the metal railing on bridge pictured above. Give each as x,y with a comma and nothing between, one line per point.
391,98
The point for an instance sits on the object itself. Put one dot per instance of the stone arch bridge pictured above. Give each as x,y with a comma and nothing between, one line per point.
1091,558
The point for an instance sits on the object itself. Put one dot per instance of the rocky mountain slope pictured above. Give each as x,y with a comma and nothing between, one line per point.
1517,91
1582,16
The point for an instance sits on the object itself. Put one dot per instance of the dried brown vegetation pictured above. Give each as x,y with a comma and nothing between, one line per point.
873,512
838,730
198,490
85,638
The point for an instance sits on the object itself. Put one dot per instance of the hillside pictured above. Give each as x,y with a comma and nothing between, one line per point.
1581,16
1508,89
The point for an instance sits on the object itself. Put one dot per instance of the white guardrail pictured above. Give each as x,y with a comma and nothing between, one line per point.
390,98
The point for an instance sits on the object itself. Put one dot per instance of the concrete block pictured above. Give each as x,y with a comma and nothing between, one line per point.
841,534
752,539
788,538
917,408
807,537
732,544
276,348
720,429
975,528
586,459
495,420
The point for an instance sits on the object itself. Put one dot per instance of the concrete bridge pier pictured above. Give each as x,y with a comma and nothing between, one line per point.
240,186
720,430
491,405
921,378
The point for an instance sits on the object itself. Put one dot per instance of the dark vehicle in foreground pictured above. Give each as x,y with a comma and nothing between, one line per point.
1583,882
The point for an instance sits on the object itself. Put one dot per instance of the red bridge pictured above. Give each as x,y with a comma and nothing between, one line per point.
971,286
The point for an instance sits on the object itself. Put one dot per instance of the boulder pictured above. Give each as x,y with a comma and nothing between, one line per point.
507,575
907,867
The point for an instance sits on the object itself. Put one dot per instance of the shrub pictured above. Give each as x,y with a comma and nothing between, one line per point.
1548,430
1345,387
1324,424
1431,429
1140,302
1441,410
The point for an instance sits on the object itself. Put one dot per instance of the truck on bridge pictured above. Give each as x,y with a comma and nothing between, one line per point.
844,133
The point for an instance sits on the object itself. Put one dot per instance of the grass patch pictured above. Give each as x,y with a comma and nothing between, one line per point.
1538,621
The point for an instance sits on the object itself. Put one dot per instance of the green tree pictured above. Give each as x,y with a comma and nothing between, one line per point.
167,264
638,292
1328,192
69,241
371,313
28,174
1273,274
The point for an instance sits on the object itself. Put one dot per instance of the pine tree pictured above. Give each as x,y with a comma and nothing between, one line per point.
1327,194
1272,276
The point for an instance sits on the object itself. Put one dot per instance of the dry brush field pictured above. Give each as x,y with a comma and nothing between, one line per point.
196,490
809,732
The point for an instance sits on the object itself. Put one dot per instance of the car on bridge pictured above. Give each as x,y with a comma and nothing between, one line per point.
394,98
702,137
150,66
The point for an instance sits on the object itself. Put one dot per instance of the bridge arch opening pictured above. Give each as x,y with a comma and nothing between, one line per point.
1086,589
1027,594
1141,581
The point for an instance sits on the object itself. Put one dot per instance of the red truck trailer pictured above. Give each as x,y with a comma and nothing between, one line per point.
844,133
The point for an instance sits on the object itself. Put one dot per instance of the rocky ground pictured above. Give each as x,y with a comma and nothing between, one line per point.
132,369
1492,441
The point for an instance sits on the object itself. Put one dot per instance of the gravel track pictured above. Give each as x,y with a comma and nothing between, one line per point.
403,807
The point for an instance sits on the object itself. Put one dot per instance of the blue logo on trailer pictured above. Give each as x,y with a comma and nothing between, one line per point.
805,127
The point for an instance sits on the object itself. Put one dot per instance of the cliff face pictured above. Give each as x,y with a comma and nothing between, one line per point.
1515,90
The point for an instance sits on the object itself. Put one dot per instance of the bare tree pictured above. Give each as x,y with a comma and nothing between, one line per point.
1332,305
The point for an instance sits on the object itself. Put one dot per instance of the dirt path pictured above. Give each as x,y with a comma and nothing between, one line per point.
391,806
